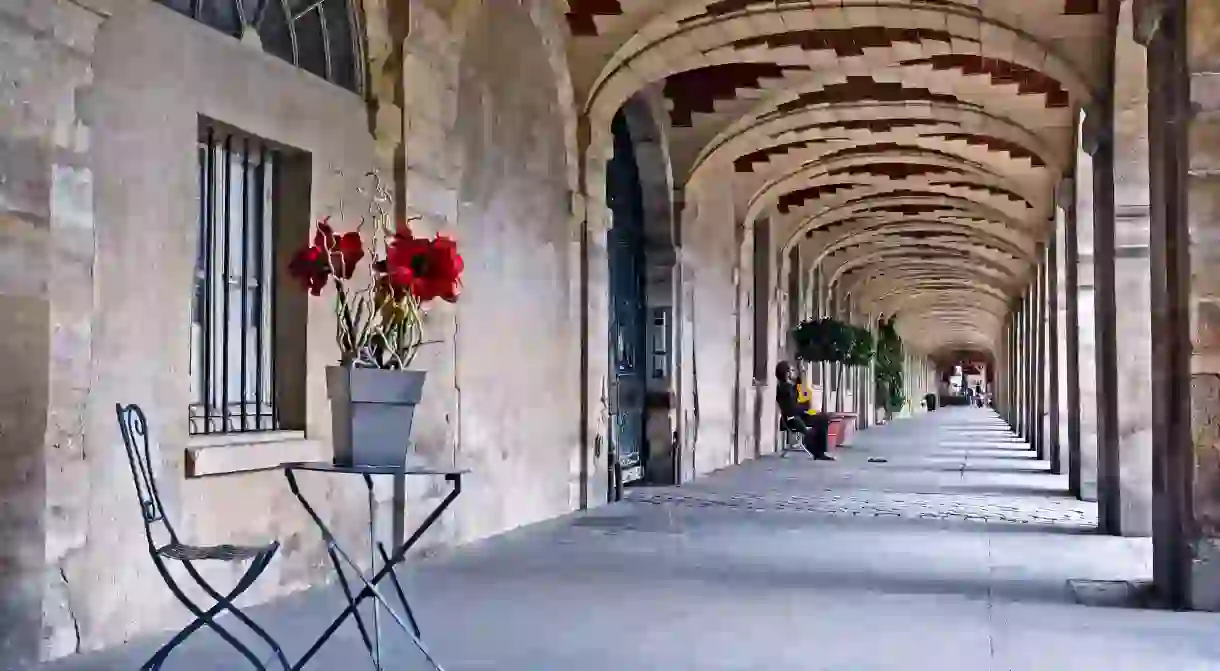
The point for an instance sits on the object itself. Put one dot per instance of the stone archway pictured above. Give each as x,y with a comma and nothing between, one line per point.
644,132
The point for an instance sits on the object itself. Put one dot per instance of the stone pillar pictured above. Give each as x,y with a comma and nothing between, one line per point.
1066,197
1014,354
1132,283
1099,138
1178,413
1184,127
1054,353
1085,330
870,385
1001,368
1039,360
1031,363
1019,377
1008,368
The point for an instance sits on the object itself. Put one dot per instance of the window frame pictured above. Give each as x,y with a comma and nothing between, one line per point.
220,403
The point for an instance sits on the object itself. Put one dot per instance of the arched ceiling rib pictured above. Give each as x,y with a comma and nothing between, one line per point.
910,147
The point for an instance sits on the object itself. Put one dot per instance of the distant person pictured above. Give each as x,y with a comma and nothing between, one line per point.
978,394
798,417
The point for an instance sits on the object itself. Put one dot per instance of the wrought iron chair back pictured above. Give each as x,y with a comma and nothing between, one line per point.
134,426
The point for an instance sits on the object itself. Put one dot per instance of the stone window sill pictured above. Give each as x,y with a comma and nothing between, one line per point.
208,456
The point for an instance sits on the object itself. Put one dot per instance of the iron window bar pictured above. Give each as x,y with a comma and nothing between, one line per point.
233,317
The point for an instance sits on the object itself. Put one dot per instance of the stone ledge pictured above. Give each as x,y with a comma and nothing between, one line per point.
236,453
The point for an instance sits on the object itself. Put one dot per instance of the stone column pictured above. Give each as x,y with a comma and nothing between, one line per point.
1010,372
1184,127
1008,368
1019,369
1099,139
1031,354
1085,330
1040,359
1066,197
1001,368
1054,353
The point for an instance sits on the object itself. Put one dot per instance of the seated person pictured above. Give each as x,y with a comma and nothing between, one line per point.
797,417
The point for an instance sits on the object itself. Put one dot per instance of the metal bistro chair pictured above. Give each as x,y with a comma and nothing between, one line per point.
134,426
790,440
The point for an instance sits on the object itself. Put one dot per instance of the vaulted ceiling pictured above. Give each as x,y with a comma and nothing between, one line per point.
912,147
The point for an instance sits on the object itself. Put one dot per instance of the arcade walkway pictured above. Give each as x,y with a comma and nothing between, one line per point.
955,553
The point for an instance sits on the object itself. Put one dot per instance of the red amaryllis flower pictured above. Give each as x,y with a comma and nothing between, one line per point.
344,251
311,268
428,268
444,268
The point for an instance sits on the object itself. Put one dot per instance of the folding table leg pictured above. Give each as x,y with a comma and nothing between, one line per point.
402,596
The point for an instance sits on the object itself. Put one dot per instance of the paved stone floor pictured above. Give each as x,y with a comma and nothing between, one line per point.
953,554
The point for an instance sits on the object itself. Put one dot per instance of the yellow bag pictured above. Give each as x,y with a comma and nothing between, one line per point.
802,393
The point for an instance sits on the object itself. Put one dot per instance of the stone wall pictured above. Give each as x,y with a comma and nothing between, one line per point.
46,287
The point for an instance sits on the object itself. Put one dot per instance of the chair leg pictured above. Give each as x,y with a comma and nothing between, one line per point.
226,602
202,618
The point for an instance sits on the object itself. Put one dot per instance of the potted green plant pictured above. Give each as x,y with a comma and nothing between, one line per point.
379,310
825,340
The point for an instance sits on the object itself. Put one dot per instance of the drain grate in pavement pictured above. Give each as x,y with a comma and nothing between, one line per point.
624,524
1112,593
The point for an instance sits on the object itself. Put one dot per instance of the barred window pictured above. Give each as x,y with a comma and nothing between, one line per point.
233,363
323,37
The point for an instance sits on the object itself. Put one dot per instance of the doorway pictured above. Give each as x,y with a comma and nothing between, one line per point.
628,318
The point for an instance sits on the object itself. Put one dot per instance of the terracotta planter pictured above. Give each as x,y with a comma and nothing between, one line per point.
834,432
847,428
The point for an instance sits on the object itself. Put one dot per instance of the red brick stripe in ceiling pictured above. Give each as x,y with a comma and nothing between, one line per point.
895,170
874,125
911,208
886,147
581,14
847,42
993,144
903,193
698,90
862,88
1028,80
994,190
801,196
746,163
723,7
1082,7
